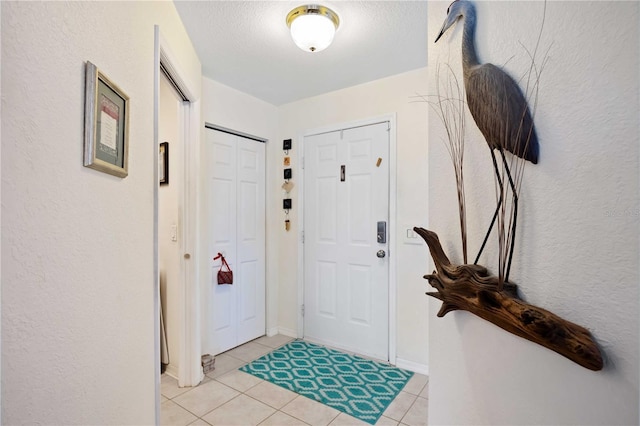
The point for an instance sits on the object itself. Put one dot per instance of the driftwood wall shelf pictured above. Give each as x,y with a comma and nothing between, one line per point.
471,288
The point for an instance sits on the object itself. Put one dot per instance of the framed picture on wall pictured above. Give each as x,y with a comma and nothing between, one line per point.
163,163
106,124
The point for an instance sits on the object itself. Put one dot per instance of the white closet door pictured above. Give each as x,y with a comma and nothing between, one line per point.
236,209
250,237
346,284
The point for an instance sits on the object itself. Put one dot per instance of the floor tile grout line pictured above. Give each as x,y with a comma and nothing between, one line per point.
221,405
193,388
290,415
410,407
262,422
185,409
419,392
238,390
241,393
303,396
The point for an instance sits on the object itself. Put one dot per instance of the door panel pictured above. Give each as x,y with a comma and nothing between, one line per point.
360,294
236,207
223,221
327,289
359,211
251,240
222,201
327,221
346,285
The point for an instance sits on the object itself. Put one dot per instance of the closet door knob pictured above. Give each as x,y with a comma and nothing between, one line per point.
187,256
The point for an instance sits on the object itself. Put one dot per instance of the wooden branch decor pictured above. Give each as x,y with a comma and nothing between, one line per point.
470,288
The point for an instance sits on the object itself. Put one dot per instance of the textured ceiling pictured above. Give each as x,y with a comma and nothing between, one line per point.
246,45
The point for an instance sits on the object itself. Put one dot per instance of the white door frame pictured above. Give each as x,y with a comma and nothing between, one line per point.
391,118
189,370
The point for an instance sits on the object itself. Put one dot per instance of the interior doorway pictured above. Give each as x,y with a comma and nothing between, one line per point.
189,370
170,235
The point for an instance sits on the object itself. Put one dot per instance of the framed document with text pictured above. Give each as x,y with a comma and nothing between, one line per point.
106,124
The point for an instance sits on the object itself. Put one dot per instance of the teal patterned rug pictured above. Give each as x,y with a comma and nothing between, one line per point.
357,386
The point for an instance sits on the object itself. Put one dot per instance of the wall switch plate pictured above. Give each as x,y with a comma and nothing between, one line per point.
410,237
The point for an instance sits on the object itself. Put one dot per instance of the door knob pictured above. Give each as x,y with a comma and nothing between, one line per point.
381,254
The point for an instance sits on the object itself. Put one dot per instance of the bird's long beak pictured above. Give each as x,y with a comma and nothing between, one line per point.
448,22
445,27
439,35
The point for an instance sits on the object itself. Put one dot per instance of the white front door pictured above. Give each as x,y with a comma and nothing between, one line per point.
346,283
236,206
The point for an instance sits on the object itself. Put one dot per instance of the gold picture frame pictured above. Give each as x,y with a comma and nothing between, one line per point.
106,124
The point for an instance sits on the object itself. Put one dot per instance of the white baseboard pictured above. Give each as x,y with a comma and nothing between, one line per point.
172,371
272,331
345,348
287,332
416,367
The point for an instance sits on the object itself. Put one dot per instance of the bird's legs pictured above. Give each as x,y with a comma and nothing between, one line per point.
515,215
495,215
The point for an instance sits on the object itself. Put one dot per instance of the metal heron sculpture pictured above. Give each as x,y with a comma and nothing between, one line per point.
498,107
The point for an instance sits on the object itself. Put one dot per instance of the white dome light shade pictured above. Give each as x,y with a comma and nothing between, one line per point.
312,33
312,27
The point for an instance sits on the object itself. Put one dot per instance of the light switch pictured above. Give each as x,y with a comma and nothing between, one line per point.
174,233
411,237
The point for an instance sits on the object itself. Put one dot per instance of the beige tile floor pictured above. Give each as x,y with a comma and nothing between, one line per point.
231,397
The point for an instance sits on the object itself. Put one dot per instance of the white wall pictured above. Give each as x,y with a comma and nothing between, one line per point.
226,107
577,248
77,266
389,95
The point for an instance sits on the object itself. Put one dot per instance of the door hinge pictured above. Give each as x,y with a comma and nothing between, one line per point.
302,163
302,310
302,236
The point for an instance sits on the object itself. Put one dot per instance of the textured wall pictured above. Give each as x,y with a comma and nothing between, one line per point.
388,95
77,244
577,249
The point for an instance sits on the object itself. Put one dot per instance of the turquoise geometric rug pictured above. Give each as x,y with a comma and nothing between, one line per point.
357,386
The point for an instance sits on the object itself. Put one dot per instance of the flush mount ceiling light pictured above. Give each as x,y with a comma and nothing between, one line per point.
312,27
